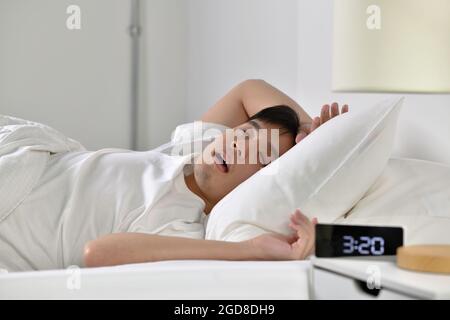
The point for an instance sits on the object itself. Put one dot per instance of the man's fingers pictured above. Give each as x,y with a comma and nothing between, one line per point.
315,124
303,246
294,226
300,136
302,232
303,228
298,218
301,217
325,114
329,112
299,228
334,109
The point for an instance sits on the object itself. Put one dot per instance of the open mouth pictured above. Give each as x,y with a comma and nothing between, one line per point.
220,162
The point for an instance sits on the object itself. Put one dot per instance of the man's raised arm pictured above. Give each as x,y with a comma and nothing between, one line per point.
248,98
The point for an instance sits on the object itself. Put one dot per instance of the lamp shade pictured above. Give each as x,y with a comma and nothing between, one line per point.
391,46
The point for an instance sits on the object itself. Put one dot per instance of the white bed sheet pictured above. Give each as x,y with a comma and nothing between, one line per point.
181,279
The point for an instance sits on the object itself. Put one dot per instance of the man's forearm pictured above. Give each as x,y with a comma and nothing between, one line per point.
248,98
258,94
124,248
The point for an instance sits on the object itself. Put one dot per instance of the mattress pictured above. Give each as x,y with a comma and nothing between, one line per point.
179,279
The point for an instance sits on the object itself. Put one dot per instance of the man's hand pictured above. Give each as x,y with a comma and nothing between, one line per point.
298,246
326,114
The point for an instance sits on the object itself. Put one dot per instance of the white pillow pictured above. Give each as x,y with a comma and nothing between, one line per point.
324,175
414,194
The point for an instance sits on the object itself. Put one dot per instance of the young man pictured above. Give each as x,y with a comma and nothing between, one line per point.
242,108
114,206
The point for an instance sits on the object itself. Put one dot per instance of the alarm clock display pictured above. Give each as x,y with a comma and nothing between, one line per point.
335,240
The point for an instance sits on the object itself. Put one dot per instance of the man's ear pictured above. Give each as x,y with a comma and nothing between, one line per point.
300,136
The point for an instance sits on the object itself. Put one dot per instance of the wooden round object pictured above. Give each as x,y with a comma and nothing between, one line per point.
426,258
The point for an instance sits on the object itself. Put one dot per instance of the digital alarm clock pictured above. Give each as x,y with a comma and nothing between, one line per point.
336,240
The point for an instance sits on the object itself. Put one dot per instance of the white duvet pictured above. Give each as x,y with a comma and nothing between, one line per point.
411,193
25,148
53,201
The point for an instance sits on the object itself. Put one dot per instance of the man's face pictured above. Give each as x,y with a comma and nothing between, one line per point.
237,154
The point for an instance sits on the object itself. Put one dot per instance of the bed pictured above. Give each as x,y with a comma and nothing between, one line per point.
423,181
189,279
401,183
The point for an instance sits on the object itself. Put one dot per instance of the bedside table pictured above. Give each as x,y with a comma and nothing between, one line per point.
359,278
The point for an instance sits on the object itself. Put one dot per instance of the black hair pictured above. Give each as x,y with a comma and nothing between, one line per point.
281,115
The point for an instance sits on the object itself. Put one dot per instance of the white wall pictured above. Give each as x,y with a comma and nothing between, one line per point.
76,81
192,52
289,43
233,40
163,70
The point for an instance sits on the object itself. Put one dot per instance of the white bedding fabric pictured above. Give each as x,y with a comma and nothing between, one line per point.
25,148
411,193
194,279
